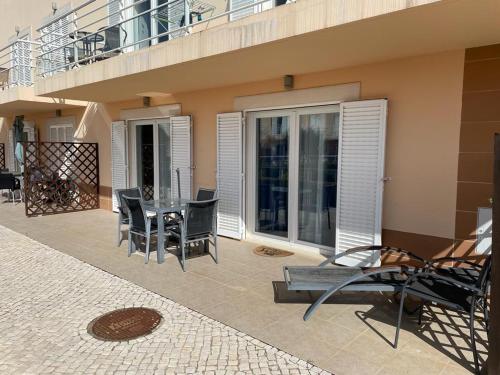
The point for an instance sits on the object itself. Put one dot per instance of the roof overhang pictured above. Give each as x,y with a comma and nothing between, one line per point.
307,36
22,100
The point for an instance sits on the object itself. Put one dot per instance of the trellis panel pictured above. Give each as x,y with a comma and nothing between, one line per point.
2,156
60,177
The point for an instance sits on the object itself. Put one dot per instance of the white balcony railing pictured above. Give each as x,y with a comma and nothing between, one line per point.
100,29
17,62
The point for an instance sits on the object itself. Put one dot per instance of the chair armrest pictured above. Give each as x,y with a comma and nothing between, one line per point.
386,249
430,275
454,259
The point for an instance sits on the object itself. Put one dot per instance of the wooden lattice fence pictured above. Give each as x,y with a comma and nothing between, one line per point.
60,177
2,156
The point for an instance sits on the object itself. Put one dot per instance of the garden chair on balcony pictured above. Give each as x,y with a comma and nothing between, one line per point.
140,224
332,279
205,194
112,44
123,217
457,289
199,223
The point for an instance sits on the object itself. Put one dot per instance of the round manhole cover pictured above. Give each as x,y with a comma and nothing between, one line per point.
271,252
125,324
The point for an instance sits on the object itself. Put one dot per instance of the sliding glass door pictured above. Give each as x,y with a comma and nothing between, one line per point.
272,175
151,154
317,185
293,161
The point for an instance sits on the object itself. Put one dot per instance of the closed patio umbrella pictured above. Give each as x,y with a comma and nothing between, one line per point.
18,127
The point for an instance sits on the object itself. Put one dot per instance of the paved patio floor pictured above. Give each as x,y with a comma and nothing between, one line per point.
352,334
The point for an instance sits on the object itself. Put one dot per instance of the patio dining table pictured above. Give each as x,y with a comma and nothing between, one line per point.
162,207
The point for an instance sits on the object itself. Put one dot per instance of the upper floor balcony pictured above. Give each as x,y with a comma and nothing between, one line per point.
17,76
105,50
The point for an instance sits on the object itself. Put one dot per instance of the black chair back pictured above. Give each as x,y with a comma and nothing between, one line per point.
8,181
132,192
112,38
205,194
136,212
200,218
484,275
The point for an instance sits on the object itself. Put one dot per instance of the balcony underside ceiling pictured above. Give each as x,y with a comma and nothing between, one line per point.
442,26
22,100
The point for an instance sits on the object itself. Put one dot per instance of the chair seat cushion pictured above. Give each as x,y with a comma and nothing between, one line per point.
462,274
324,278
442,292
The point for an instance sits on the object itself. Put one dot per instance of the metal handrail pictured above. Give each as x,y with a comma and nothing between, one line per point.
187,26
109,26
67,13
23,72
98,20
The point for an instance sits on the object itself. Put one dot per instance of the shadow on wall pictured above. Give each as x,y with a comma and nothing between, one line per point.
95,126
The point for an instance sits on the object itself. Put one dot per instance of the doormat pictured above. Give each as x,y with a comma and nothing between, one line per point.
125,324
265,251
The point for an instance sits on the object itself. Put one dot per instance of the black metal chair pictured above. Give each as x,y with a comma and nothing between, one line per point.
141,224
123,218
112,43
10,183
205,194
199,223
456,289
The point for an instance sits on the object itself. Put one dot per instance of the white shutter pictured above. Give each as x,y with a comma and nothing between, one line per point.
11,164
114,15
235,4
360,179
230,174
119,167
180,138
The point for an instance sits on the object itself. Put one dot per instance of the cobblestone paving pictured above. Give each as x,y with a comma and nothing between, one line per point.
48,299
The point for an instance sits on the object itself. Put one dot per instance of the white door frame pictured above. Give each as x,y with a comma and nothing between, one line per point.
132,146
293,114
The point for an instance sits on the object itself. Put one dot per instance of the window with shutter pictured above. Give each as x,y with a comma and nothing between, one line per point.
119,159
230,174
360,179
180,135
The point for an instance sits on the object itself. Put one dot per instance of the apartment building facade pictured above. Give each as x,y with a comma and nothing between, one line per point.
322,124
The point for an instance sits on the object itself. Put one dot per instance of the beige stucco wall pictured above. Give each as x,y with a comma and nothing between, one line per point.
424,93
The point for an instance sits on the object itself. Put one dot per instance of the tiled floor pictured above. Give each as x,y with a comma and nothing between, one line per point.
350,335
52,297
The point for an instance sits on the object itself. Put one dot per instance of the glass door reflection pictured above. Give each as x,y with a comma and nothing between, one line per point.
317,187
272,175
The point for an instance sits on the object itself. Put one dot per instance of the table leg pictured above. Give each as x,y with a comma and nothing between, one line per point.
160,251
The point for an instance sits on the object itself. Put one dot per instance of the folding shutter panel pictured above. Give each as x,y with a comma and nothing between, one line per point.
235,4
360,179
119,167
230,174
11,163
114,15
180,135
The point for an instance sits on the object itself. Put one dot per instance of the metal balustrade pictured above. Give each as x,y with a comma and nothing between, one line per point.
99,29
17,62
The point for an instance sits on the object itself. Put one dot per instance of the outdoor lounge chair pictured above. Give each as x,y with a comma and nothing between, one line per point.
459,290
199,223
123,218
332,279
